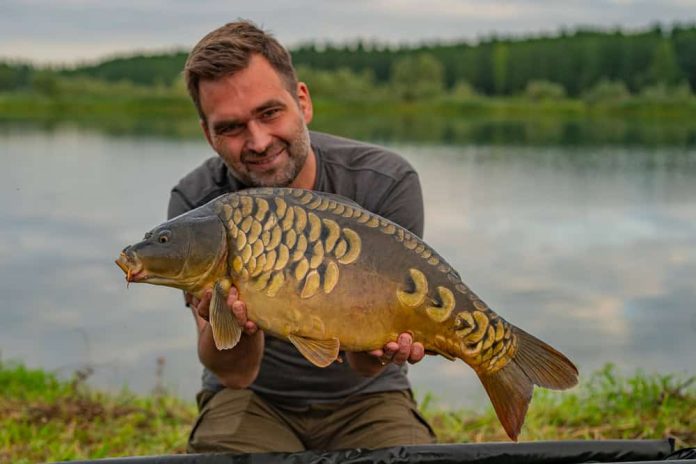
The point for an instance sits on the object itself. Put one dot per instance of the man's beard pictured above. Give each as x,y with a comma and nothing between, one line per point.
297,150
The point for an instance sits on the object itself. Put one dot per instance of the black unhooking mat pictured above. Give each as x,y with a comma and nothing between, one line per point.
558,452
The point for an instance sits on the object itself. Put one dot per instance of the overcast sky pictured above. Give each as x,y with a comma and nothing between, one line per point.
71,31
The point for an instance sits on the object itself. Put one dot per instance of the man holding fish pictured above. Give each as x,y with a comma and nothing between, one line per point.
263,395
324,255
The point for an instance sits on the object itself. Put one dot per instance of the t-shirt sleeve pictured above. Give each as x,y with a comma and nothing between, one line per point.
178,204
403,203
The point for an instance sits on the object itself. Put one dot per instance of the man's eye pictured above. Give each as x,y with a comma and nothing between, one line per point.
270,113
230,130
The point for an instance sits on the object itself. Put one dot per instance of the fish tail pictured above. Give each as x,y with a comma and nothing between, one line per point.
533,362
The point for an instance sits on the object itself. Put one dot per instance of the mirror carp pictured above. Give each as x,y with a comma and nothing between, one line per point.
325,274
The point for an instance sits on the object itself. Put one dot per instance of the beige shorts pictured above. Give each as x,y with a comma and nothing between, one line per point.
241,421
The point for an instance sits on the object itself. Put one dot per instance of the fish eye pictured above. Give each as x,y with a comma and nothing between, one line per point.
164,236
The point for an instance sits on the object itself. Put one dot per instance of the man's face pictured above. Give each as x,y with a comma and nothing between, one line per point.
256,126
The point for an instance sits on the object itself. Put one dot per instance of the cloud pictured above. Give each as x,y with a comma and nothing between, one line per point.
74,30
449,9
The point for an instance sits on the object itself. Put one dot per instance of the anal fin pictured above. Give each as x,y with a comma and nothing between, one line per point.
321,353
226,330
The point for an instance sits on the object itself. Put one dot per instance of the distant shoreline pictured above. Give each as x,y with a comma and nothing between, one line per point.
479,120
174,105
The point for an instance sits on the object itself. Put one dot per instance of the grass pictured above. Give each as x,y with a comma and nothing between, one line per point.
605,406
46,419
43,418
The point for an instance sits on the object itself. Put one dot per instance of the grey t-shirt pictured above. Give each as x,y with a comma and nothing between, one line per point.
379,181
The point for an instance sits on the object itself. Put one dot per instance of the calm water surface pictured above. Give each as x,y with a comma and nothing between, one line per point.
592,249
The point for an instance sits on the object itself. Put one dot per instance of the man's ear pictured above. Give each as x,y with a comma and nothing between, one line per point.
305,102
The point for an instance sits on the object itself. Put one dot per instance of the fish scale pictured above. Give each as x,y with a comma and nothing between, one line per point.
327,275
295,220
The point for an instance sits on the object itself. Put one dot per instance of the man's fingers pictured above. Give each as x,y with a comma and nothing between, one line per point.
403,351
232,296
250,328
386,354
239,311
203,306
417,353
238,308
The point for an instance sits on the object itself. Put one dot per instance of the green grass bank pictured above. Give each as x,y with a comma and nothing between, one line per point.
43,418
164,102
636,121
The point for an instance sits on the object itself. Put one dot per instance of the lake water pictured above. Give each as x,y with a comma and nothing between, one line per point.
591,248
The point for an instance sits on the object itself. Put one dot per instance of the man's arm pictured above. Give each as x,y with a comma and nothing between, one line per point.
237,367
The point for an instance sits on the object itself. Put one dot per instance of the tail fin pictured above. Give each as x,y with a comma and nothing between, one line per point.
510,388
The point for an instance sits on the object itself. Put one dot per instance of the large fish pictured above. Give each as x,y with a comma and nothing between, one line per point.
322,272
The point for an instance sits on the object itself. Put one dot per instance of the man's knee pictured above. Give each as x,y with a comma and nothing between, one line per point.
383,420
240,421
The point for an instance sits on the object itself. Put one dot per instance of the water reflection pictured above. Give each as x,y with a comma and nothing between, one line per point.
532,129
592,249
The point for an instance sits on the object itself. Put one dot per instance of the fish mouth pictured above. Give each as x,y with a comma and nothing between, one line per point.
132,267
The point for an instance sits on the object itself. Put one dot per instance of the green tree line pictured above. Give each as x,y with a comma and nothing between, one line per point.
577,60
584,62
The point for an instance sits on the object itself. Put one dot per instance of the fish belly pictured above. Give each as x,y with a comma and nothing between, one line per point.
361,311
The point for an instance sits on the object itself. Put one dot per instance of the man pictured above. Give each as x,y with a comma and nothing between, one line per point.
262,395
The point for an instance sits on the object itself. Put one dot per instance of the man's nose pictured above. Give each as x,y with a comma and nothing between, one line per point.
258,138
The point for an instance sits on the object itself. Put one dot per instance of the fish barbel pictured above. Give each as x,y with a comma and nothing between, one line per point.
327,275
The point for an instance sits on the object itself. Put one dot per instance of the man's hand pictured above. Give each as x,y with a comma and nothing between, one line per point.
237,306
237,367
402,350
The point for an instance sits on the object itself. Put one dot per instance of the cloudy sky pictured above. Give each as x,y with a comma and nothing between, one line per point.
70,31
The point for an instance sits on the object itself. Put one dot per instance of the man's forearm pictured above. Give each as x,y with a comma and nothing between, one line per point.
237,367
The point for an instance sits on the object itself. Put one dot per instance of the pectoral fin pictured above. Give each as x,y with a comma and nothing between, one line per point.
226,330
321,353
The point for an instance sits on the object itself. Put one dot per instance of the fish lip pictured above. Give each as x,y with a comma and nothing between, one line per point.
139,276
132,267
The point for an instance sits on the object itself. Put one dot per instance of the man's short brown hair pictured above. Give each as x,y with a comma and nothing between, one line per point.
228,49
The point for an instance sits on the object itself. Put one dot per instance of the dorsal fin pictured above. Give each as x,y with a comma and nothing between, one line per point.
337,198
262,191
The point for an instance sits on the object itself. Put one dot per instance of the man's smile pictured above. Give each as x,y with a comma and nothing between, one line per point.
266,161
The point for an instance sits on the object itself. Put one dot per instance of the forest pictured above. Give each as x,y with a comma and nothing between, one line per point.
584,63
